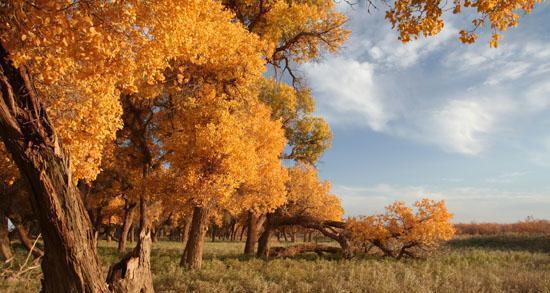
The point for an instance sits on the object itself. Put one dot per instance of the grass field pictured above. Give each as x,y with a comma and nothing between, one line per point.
509,263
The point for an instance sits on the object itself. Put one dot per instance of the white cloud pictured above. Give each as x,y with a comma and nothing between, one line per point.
460,98
466,203
349,91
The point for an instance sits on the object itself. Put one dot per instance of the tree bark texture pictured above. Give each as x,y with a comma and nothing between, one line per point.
132,274
192,257
70,263
251,234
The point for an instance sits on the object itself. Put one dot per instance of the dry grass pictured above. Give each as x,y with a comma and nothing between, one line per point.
508,263
529,226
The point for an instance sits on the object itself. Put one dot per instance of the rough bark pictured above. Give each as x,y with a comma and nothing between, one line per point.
251,234
192,257
5,247
132,274
128,219
70,263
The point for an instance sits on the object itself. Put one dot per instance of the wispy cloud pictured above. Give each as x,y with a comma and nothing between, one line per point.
466,203
463,99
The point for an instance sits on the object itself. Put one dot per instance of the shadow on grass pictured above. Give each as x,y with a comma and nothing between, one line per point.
514,242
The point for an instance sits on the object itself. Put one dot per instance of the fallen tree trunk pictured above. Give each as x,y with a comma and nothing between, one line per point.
303,248
332,229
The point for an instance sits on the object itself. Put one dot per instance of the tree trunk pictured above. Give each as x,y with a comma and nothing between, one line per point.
192,257
263,243
70,263
213,233
251,234
243,229
97,223
131,233
109,233
128,219
132,274
302,248
25,239
5,247
185,232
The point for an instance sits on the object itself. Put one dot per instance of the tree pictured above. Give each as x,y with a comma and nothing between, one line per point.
401,231
308,136
309,204
69,61
265,191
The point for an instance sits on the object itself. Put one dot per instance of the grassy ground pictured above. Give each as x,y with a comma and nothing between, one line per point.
466,264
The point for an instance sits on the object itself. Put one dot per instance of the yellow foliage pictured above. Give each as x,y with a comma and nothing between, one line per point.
308,196
402,229
292,30
264,191
83,55
424,17
307,136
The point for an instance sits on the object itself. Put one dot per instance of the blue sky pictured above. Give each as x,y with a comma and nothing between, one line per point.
439,119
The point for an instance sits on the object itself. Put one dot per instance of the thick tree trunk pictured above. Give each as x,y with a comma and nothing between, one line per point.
263,243
192,257
25,239
251,234
5,247
70,263
132,274
128,219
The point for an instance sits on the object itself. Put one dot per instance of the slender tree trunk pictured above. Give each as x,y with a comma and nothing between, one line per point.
109,233
251,234
243,229
25,239
5,247
131,233
70,263
284,234
192,257
213,233
185,232
97,223
128,219
133,273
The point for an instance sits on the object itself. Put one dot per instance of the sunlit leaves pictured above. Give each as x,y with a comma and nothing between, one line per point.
425,17
403,230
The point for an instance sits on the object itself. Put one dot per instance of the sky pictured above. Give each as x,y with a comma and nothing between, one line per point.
435,118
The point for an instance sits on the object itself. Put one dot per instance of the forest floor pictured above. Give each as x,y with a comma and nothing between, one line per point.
507,263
